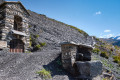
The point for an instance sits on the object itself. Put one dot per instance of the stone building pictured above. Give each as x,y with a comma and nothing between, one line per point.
14,26
76,59
72,52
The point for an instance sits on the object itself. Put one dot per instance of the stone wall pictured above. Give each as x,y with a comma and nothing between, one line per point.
2,22
1,1
69,56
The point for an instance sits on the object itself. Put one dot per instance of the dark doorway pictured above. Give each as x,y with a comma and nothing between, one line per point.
83,54
17,23
16,46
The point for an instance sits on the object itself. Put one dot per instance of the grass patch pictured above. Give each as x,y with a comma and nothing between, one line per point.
30,44
29,26
102,46
104,63
107,64
44,74
36,36
97,39
31,41
105,79
96,50
28,52
104,54
118,77
43,44
38,46
116,59
81,31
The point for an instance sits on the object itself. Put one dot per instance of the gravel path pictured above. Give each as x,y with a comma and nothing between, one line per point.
23,66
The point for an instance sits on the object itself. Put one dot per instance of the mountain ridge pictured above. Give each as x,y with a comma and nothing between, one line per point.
115,38
112,40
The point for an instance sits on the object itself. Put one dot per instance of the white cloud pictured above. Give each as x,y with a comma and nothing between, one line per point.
107,30
98,13
107,36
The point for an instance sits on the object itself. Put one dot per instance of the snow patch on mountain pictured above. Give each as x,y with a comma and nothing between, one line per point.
115,38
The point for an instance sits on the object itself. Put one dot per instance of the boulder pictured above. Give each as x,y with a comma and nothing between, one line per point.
89,69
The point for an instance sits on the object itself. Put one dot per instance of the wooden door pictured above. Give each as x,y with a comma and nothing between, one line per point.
16,46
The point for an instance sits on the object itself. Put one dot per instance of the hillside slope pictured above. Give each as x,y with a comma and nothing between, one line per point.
109,55
53,32
14,66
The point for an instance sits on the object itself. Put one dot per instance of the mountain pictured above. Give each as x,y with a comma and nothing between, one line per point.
115,38
112,40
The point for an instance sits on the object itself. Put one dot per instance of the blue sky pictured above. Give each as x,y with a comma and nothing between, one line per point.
99,18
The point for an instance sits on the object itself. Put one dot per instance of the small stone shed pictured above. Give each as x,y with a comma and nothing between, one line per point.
72,52
76,59
14,30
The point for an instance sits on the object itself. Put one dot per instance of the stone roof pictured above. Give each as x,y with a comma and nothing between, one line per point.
18,32
77,44
15,2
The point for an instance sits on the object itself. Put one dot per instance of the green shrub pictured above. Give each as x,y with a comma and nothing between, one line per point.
30,42
44,74
43,44
116,59
96,50
119,63
36,36
105,79
110,52
28,52
104,54
29,26
116,47
38,46
102,45
30,38
97,39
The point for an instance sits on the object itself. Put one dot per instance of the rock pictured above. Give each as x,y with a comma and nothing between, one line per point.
89,69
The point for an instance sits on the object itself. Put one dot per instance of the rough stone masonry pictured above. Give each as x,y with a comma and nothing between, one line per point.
14,26
1,1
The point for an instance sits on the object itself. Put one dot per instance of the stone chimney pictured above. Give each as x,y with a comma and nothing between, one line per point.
1,1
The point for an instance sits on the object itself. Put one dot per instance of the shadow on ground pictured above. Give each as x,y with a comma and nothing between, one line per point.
56,68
